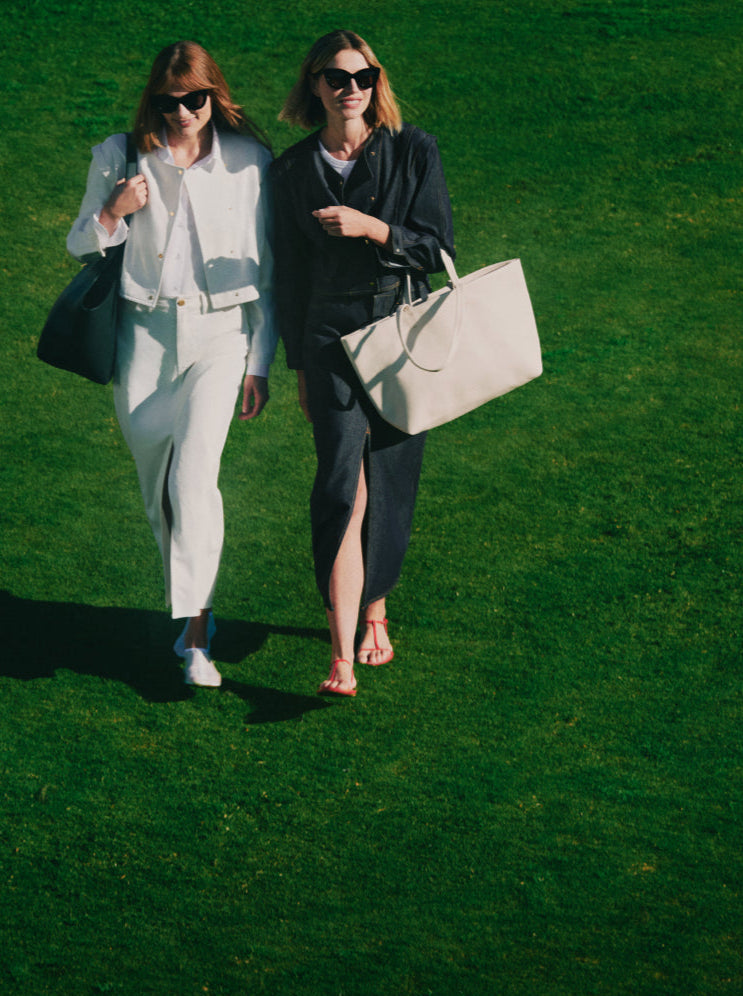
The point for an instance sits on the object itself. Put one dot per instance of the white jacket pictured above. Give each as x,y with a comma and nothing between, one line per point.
230,205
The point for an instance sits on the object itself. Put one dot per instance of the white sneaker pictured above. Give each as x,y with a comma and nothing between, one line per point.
200,669
180,644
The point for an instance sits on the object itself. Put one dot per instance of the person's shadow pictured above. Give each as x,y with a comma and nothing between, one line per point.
134,646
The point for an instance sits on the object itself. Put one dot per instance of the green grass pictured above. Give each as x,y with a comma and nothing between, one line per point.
542,794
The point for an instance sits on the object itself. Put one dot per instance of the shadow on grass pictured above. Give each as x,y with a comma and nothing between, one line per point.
134,646
272,705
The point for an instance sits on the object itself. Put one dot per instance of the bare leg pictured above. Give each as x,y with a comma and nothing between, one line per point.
346,585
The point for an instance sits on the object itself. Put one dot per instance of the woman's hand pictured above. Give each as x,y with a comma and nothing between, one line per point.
255,396
346,222
127,197
302,393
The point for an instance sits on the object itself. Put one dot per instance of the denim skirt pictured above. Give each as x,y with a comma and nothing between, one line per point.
347,432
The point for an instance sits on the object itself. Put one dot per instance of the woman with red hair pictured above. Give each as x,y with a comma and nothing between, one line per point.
196,316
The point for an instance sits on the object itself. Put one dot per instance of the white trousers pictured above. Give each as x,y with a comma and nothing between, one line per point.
178,370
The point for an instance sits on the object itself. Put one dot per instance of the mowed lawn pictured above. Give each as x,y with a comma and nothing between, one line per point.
541,795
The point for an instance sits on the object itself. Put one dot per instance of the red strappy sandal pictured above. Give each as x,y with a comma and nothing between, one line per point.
325,690
388,653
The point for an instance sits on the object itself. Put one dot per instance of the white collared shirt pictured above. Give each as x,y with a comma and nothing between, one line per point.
183,270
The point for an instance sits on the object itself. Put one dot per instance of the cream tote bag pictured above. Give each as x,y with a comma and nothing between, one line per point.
432,361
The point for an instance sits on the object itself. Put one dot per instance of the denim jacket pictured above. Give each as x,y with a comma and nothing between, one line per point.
399,179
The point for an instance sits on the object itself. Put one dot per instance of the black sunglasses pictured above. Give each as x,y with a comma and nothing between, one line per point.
338,79
166,104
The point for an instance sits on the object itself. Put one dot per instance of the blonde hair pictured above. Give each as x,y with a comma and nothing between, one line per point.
304,108
185,65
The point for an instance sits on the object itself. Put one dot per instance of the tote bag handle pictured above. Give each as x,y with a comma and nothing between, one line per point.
407,310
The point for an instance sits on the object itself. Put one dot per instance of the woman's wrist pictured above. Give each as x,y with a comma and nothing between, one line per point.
108,219
378,232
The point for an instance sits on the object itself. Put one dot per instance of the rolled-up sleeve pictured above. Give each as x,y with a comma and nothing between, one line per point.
87,238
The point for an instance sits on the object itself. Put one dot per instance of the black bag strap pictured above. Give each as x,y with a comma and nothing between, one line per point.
131,155
131,163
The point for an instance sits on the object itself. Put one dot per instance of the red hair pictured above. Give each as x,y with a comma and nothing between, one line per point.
187,66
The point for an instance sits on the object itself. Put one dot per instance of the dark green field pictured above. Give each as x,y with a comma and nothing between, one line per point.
541,796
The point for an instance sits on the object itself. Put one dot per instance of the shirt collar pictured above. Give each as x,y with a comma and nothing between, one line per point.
213,156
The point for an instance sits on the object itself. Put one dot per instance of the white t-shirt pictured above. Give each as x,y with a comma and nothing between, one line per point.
342,166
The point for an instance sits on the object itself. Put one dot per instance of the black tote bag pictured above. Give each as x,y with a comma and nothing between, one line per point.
80,333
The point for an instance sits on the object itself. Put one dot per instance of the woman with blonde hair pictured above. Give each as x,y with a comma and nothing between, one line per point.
196,316
359,204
